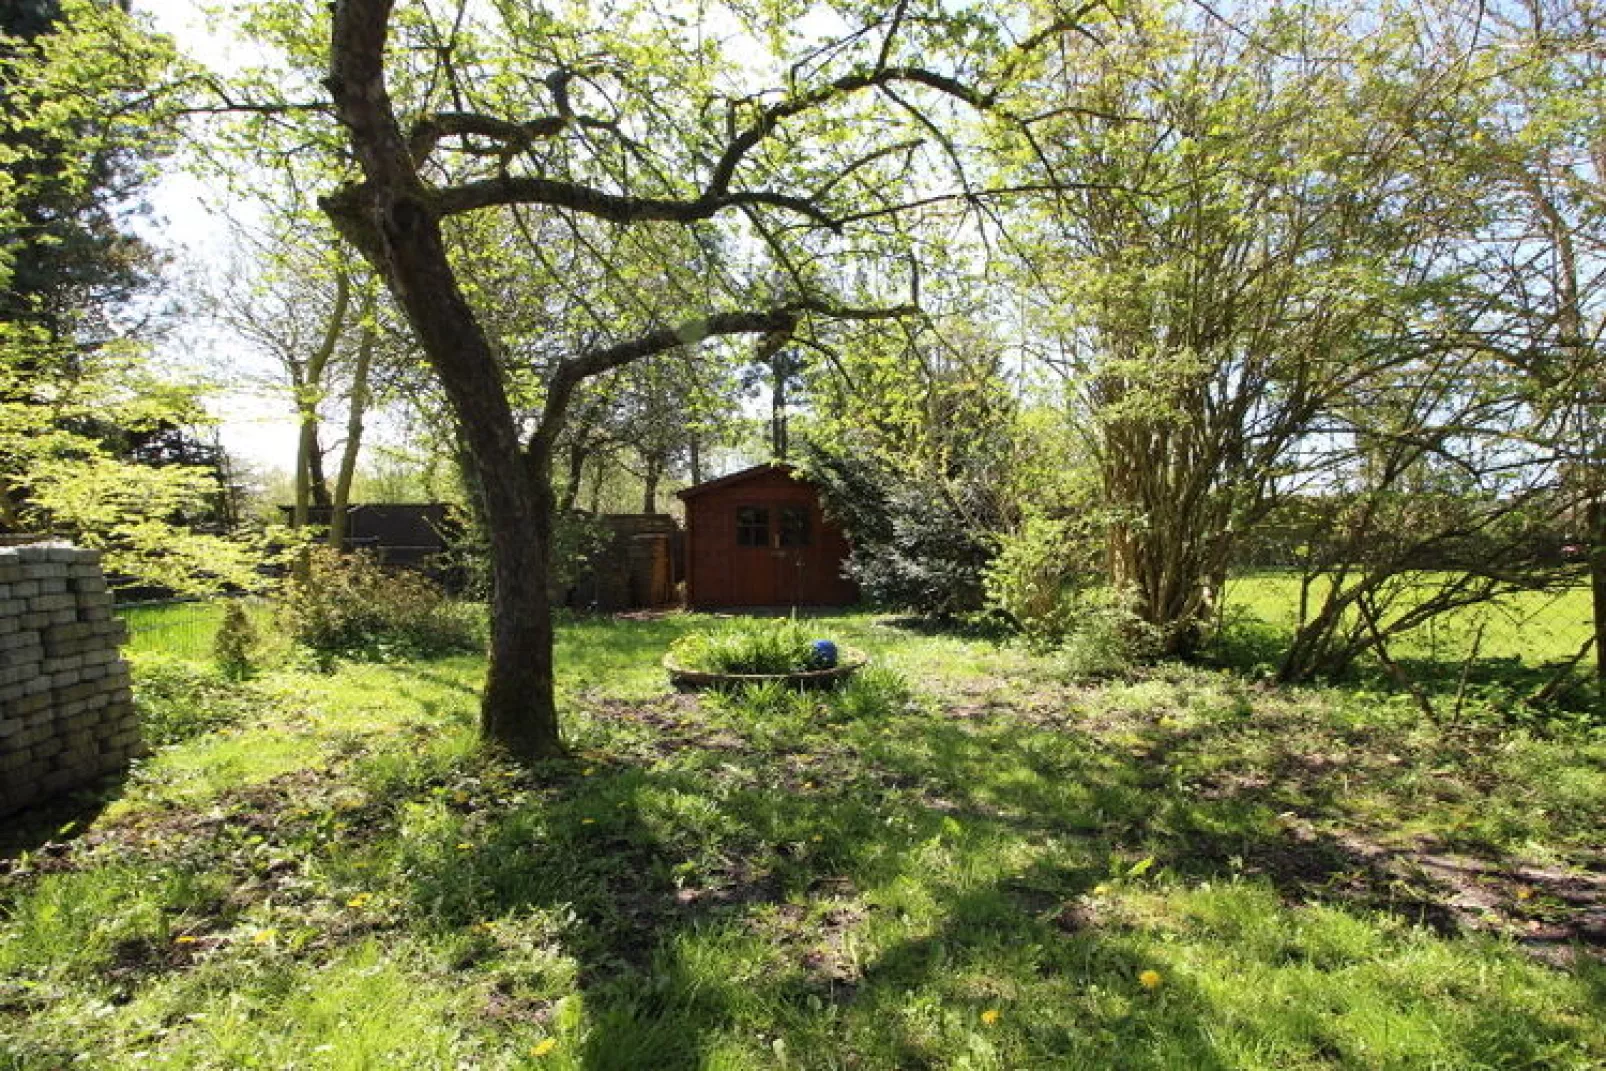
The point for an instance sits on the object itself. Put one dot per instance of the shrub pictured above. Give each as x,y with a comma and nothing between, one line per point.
783,646
1037,578
346,604
177,700
1108,636
918,545
873,692
235,642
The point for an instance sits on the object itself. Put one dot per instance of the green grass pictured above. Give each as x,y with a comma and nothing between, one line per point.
963,860
176,629
1532,627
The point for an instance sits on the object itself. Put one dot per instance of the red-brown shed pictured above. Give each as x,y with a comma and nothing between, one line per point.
759,538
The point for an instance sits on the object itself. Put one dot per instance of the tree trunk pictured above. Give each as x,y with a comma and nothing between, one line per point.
694,448
778,442
649,492
400,236
317,479
1596,519
518,711
311,486
338,521
306,445
571,488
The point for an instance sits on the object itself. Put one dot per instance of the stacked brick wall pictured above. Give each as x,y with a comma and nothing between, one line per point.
66,713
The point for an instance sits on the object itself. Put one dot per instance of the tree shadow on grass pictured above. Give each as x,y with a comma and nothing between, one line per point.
722,909
702,915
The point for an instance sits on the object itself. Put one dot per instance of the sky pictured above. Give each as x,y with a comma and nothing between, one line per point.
257,426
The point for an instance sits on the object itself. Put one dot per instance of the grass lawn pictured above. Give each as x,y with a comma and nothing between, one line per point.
1529,628
964,860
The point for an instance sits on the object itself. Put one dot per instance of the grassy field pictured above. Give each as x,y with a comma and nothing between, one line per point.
965,860
1533,627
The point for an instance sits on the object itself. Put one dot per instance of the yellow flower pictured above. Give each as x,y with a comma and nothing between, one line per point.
1100,890
1525,893
360,900
464,846
544,1046
990,1016
263,937
1150,979
185,939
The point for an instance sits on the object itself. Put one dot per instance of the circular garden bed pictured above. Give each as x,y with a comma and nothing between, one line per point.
849,662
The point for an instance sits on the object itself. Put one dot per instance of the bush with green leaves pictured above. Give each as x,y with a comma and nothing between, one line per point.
918,545
234,647
1040,576
749,647
347,604
1109,637
177,699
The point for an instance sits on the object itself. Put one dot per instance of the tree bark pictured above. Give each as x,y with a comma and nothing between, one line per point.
649,489
389,218
341,502
312,487
1595,514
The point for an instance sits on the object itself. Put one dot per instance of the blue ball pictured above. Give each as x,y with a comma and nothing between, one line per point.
824,654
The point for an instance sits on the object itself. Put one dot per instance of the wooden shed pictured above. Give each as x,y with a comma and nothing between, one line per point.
759,538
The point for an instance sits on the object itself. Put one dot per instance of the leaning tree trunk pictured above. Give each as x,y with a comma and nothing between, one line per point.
1596,519
341,503
518,710
401,237
392,220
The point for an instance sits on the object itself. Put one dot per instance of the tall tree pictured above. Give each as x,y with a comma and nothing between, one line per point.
1539,159
1252,227
657,135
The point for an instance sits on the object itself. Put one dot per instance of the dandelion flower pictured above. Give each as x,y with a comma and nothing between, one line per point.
1150,979
544,1046
263,937
990,1016
360,900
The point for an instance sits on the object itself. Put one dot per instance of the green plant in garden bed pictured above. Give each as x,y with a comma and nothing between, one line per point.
751,647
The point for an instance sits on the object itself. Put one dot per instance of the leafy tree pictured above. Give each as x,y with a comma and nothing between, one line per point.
1538,161
651,139
86,429
1253,228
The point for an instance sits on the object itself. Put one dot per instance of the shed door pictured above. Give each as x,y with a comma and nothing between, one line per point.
756,562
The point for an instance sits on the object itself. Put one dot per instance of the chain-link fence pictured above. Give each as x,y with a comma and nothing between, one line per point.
178,628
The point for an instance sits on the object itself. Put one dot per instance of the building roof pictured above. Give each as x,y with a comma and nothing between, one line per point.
743,476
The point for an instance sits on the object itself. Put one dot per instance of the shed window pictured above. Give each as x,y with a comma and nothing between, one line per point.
752,526
794,526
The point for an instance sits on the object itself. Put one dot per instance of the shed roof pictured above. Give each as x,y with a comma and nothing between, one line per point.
767,468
